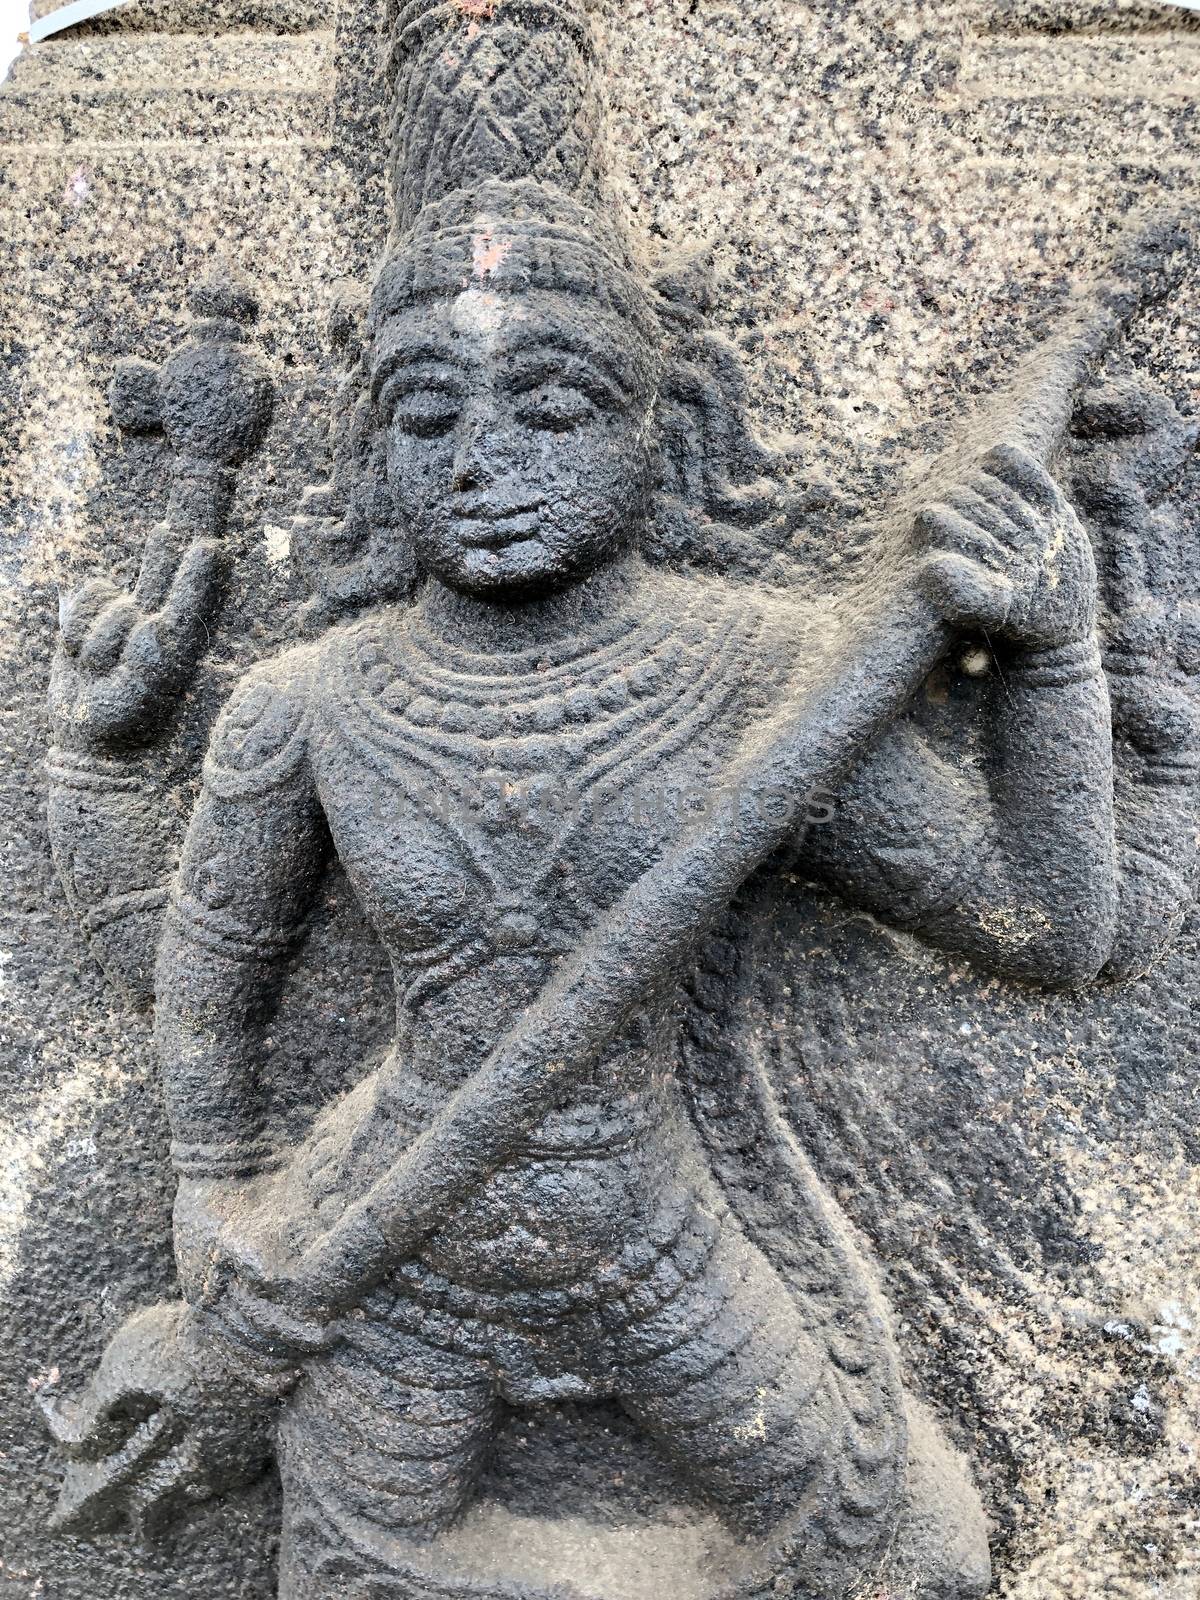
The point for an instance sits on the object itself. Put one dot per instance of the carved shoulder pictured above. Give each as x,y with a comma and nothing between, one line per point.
261,737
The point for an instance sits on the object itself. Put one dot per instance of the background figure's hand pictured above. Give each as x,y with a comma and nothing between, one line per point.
236,1261
123,656
1004,554
1129,447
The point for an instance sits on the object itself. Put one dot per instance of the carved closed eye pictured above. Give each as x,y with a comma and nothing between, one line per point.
425,413
556,407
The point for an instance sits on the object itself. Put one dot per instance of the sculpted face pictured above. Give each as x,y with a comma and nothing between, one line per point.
517,432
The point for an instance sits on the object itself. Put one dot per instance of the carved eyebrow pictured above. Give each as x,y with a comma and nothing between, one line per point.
420,375
533,367
612,363
419,379
408,353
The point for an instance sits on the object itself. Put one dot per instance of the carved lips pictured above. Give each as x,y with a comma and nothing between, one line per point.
486,526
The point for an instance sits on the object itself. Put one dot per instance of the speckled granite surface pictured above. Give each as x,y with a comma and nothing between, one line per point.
898,199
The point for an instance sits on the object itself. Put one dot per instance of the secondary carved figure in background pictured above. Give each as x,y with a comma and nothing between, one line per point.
564,607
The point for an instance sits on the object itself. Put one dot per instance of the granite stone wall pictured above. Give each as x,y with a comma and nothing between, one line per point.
899,201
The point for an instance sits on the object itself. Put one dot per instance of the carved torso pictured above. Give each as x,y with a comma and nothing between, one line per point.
486,808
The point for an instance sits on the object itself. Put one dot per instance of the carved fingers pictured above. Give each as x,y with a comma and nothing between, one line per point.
174,632
1004,553
79,610
259,1302
278,1326
234,1264
121,655
105,639
963,574
237,1262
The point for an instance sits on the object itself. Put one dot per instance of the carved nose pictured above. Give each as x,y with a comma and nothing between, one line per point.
474,457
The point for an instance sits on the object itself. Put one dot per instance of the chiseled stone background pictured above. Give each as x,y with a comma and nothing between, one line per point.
898,197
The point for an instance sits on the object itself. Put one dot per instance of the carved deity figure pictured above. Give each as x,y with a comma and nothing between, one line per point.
572,686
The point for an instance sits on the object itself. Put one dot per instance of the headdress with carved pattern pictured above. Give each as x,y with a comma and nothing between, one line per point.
496,158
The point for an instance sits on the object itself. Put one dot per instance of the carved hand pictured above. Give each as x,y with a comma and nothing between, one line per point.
1155,695
233,1253
122,656
1131,446
1156,707
1004,554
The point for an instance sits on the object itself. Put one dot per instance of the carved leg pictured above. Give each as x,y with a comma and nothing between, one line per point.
732,1388
386,1436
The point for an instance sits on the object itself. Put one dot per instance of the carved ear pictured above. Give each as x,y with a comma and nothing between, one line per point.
347,322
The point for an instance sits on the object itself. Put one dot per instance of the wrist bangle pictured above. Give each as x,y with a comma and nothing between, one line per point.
240,1158
270,1371
1058,666
75,767
129,903
1170,768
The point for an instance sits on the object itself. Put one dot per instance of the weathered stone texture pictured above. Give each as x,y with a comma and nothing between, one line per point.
899,200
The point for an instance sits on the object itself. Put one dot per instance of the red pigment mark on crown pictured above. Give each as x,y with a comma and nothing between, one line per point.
478,10
488,252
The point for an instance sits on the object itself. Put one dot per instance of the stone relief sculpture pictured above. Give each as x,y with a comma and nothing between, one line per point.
581,694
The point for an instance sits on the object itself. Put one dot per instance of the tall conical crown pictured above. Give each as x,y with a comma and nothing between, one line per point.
497,157
490,89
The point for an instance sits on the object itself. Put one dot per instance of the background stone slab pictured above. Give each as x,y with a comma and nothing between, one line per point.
898,199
